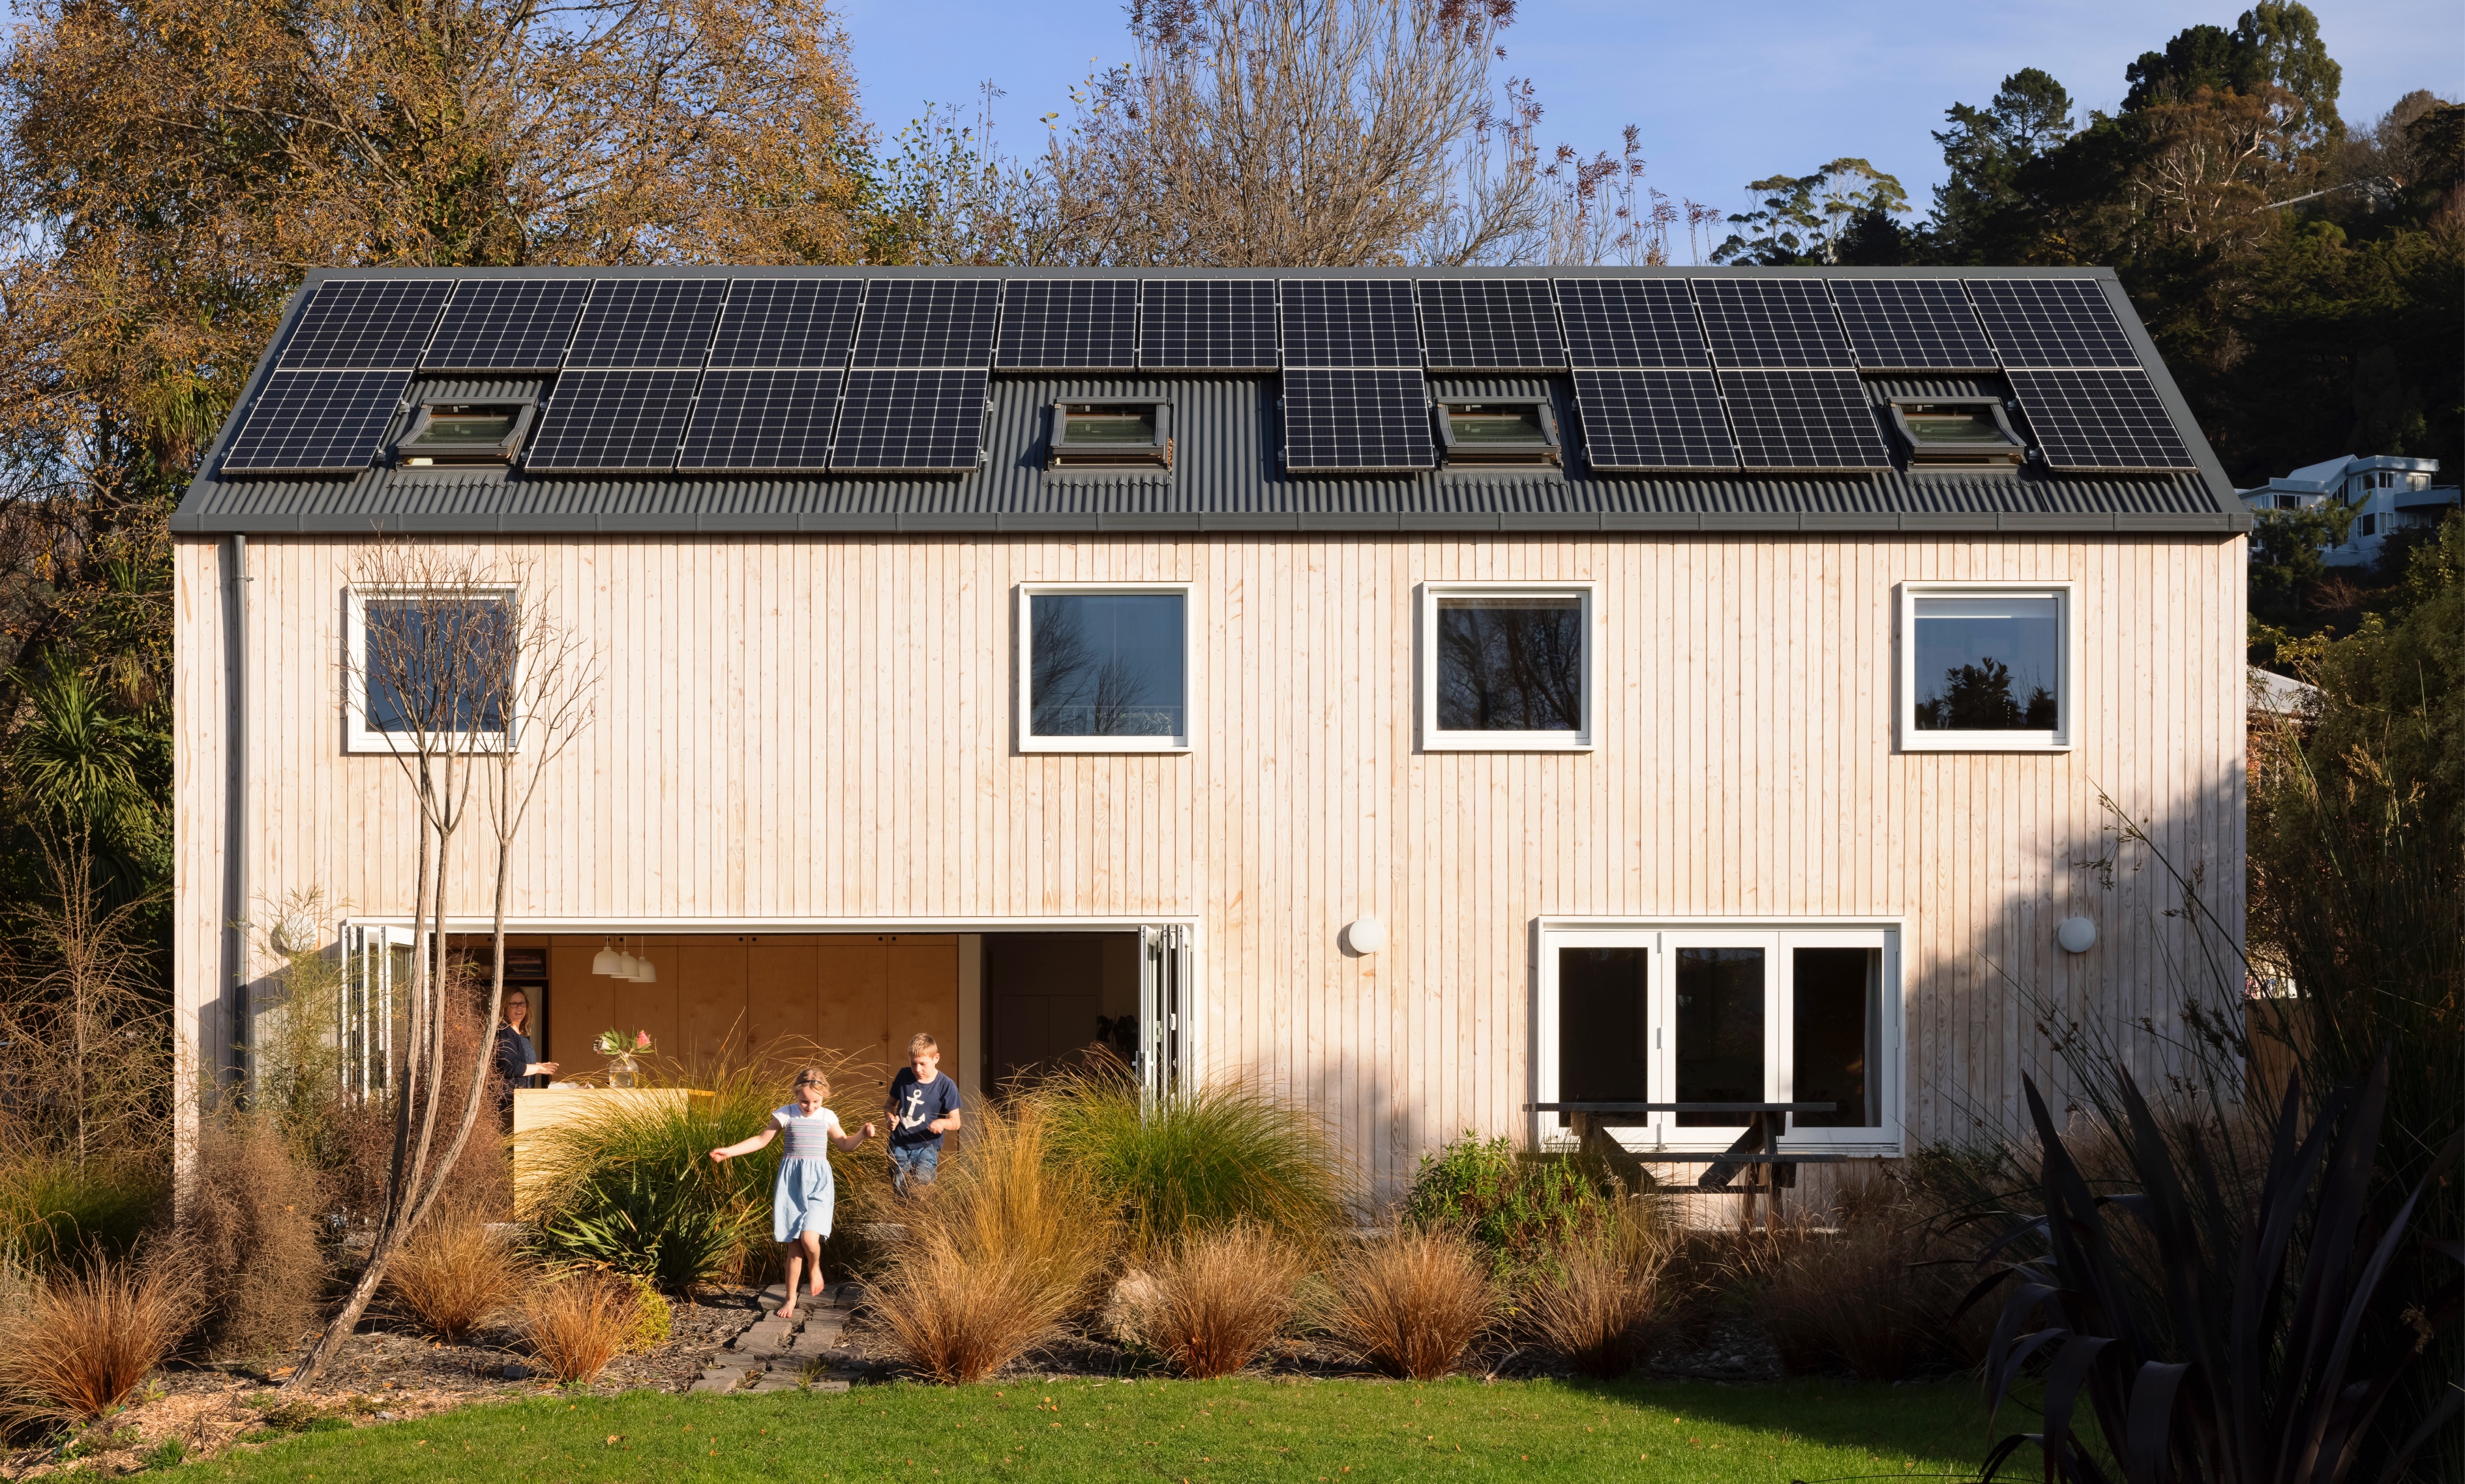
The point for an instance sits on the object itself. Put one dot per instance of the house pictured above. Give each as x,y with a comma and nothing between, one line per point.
2384,494
1430,692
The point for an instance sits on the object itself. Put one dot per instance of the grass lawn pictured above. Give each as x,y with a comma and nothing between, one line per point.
1342,1433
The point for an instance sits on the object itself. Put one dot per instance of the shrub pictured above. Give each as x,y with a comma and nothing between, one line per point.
248,1233
1201,1159
1004,1250
576,1323
1413,1301
1215,1300
1521,1208
1605,1304
453,1273
633,1189
86,1337
52,1207
654,1318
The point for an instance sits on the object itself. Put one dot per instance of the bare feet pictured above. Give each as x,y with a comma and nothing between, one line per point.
817,1285
787,1312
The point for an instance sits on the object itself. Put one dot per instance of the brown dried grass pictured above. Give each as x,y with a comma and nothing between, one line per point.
1610,1302
578,1322
1006,1245
454,1271
1215,1300
248,1234
1864,1296
79,1342
1411,1302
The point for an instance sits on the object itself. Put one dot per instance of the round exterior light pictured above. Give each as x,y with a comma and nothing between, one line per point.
606,960
2077,935
1366,935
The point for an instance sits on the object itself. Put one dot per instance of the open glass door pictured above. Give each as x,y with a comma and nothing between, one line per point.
1163,990
376,972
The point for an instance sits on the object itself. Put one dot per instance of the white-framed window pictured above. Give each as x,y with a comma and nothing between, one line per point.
419,659
1722,1012
1987,667
1104,667
1508,666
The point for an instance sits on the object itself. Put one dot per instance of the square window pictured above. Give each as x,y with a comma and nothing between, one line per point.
441,666
1701,1013
1507,668
1104,669
1985,667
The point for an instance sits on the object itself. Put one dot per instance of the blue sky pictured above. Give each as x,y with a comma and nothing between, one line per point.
1725,92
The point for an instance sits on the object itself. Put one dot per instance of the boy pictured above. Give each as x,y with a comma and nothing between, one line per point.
924,1105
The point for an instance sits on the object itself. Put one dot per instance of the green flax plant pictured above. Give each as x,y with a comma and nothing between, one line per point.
1197,1159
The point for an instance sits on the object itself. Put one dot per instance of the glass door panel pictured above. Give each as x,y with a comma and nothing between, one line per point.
1721,1030
1835,1030
1604,1030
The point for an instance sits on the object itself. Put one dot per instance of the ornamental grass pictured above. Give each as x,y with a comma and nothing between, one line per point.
1412,1301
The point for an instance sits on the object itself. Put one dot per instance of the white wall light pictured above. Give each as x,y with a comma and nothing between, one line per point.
2077,935
1366,935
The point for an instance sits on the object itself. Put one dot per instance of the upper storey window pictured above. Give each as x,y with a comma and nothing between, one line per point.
1985,667
430,671
1104,669
1508,667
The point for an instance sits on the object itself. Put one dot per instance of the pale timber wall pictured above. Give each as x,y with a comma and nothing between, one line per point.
821,729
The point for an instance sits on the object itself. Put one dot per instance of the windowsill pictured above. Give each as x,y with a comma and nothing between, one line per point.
1912,740
1506,742
357,743
1147,745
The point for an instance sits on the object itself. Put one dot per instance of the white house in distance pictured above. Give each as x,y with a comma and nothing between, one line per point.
1433,692
2386,493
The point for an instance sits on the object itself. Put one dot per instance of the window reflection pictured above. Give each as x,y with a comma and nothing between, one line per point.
1511,664
443,664
1107,665
1835,1034
1984,664
1720,1032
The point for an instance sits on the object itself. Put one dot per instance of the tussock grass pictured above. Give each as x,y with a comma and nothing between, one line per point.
52,1207
1607,1303
577,1323
632,1188
1006,1245
1215,1300
248,1237
454,1271
77,1344
1413,1301
1212,1156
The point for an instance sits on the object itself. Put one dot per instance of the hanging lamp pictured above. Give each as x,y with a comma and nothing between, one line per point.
605,959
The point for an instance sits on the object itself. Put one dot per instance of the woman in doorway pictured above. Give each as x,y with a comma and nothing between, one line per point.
517,1063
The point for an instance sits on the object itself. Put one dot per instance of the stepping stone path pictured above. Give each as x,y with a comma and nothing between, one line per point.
775,1354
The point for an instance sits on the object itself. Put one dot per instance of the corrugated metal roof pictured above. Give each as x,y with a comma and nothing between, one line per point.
1227,476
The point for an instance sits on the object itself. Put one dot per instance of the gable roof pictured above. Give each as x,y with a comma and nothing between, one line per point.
1229,472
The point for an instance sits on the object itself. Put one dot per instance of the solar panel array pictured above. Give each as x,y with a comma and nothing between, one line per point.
1491,324
1070,325
811,374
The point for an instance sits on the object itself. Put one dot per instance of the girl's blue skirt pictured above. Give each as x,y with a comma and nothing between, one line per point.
801,1200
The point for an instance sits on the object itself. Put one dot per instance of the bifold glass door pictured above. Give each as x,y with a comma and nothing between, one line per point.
1164,1007
376,976
1700,1014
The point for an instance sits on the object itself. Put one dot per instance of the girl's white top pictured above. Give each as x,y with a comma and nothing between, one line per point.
807,1137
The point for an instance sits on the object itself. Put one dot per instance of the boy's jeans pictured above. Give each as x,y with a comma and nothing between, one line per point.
912,1167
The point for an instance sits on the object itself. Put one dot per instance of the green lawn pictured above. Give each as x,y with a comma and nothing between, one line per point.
1342,1432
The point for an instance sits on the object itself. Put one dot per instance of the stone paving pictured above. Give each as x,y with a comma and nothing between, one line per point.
805,1353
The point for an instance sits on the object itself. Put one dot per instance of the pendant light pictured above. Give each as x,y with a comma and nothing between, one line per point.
625,965
645,972
605,959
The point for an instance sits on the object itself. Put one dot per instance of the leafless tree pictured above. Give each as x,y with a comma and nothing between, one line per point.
87,1047
479,686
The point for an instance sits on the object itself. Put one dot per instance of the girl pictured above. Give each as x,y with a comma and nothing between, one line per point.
800,1203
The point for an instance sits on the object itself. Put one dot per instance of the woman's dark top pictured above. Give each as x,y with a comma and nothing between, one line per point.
514,1053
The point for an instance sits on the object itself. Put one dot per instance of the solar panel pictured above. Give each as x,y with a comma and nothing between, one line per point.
1647,420
1643,323
1356,420
365,324
761,420
929,322
2052,322
507,324
316,422
1070,325
919,421
613,420
787,322
1491,324
647,324
1772,323
1208,324
1804,419
2099,419
1911,324
1350,323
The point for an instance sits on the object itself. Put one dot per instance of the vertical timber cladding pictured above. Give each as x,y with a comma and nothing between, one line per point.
821,728
860,995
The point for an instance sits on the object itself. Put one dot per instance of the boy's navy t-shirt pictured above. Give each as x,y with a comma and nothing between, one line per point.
915,1104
